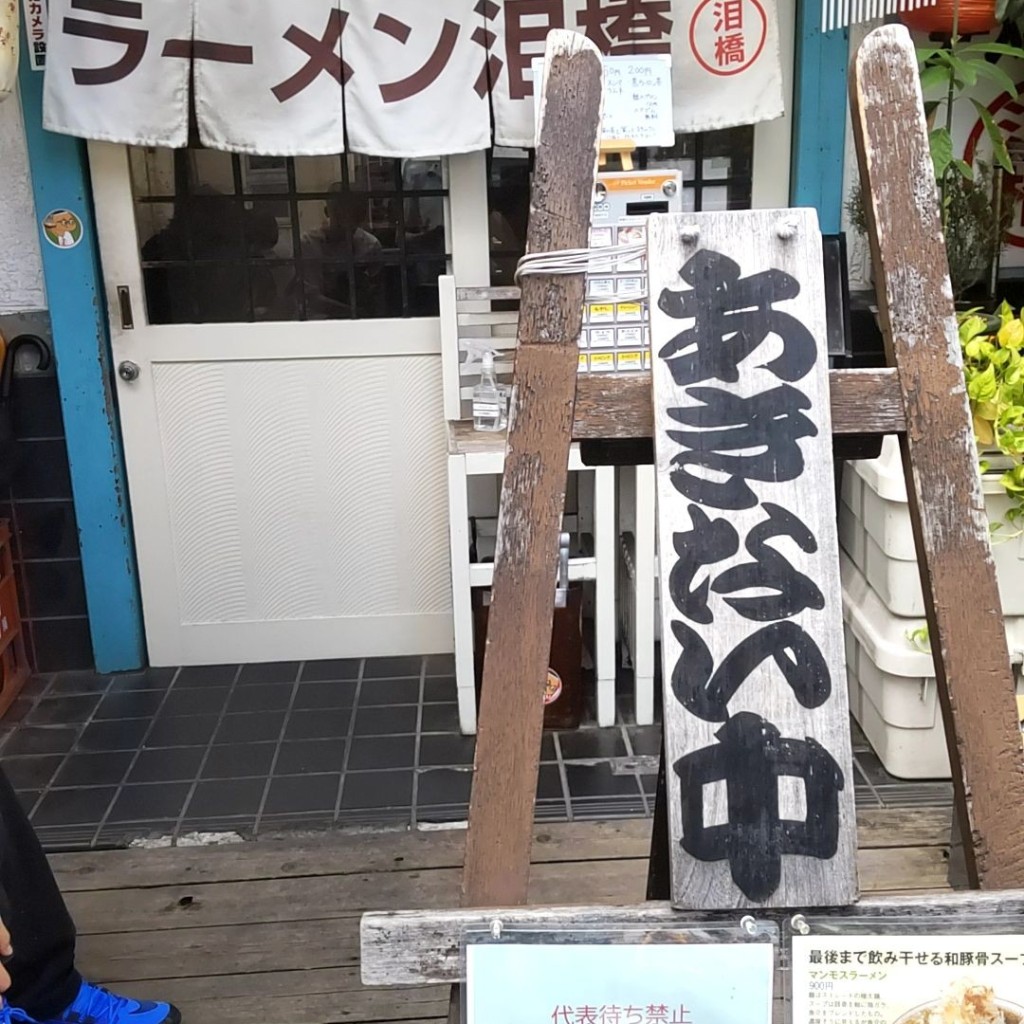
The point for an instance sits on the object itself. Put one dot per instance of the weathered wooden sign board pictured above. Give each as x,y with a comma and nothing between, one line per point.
758,758
757,729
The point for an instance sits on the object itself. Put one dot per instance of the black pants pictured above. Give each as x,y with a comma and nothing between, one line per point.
43,976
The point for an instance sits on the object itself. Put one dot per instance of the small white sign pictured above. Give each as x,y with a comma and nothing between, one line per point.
637,100
35,33
666,983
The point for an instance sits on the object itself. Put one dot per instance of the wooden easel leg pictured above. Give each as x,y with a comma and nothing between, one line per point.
956,873
915,299
517,653
659,867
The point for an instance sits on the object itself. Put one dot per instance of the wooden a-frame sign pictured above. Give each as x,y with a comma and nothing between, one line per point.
757,807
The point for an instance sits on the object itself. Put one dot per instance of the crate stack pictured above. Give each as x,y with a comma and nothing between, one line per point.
889,666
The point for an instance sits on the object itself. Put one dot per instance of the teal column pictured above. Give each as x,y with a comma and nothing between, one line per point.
74,289
819,116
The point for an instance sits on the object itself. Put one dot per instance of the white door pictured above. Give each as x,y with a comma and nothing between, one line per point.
273,324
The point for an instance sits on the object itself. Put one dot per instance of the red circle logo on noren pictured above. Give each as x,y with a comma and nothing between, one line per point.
728,36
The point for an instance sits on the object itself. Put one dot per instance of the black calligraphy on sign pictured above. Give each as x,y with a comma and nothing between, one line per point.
725,441
731,317
706,691
766,427
750,757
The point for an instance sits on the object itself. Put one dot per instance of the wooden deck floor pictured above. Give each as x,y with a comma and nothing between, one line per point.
268,931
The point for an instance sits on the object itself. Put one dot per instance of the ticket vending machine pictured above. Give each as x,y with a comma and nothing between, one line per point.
616,317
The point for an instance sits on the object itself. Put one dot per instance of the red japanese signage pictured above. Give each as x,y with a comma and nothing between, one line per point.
395,78
727,36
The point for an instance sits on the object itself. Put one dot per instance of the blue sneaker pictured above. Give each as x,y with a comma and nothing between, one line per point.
95,1005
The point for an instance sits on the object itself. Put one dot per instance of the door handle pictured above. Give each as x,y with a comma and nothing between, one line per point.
128,371
124,301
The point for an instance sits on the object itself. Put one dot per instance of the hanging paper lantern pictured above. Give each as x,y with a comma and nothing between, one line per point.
8,47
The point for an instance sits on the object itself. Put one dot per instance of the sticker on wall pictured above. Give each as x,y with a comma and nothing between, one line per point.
35,31
62,229
553,687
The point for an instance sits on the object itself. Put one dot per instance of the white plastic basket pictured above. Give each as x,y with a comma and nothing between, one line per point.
892,684
875,531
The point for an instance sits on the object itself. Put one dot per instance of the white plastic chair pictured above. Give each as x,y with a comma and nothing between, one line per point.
467,313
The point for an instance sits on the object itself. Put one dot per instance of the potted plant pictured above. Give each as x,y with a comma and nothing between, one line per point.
993,352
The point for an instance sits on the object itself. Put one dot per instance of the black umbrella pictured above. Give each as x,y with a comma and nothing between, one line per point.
11,450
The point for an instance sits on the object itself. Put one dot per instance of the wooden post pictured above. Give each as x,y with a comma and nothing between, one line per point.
972,664
501,807
511,721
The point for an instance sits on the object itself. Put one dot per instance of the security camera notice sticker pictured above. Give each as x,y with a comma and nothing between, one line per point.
670,983
62,229
908,979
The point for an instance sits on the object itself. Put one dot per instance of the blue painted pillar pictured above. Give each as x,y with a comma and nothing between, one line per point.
819,121
74,289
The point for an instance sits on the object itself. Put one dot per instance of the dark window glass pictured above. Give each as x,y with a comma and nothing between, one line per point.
229,238
716,166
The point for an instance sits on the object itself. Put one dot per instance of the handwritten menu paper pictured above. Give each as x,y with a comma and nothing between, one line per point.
519,983
637,99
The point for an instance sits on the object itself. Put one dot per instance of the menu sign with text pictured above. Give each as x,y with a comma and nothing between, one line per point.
669,983
908,979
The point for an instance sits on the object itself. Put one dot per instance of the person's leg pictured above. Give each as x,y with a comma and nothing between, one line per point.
45,987
43,976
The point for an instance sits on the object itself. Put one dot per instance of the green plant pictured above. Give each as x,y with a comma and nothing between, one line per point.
974,226
919,638
994,370
956,67
973,216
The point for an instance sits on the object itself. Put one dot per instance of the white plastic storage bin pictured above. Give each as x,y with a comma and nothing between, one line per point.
892,682
875,531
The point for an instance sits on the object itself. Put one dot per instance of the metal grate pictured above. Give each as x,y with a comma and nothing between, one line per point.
841,13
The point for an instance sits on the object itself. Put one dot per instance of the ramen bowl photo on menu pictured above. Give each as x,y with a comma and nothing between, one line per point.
965,1003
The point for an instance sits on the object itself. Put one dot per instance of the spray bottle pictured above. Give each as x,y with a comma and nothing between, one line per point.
489,397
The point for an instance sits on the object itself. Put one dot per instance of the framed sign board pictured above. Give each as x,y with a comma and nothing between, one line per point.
635,976
757,732
955,970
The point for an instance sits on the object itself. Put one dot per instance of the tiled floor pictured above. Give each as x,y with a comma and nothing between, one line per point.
99,760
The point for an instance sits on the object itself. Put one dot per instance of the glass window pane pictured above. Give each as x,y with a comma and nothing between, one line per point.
317,173
423,175
268,230
508,190
715,198
682,156
728,153
152,171
336,237
150,221
264,174
423,299
372,173
212,171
